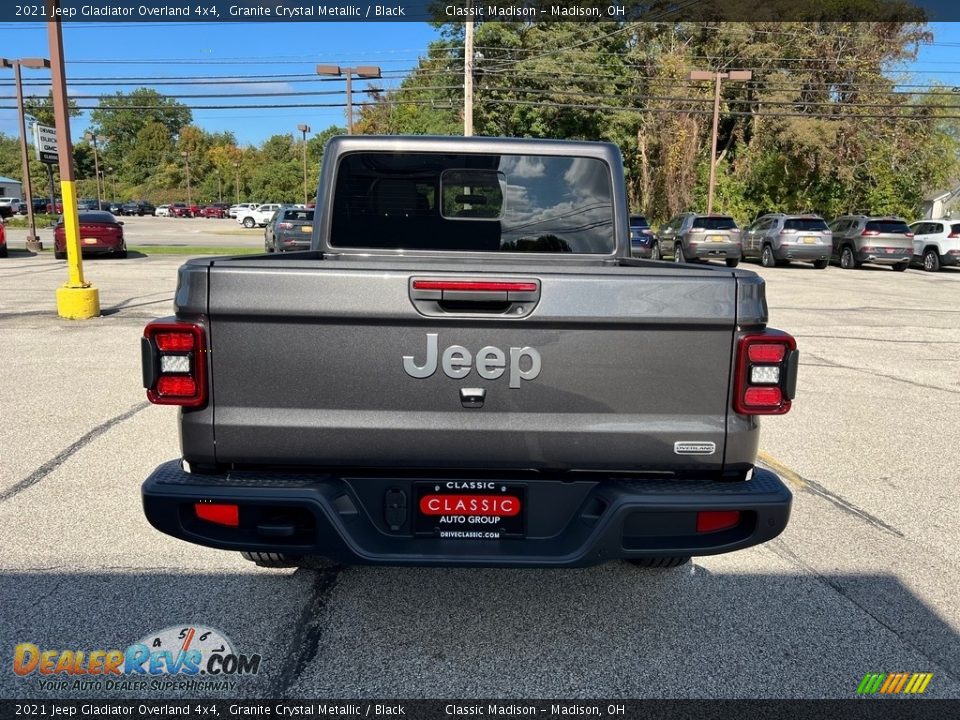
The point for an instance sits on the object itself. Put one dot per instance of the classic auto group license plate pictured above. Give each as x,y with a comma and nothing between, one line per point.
470,509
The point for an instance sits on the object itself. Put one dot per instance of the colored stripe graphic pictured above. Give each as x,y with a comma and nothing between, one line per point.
894,683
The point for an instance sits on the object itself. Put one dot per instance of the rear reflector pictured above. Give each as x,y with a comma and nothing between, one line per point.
713,520
474,286
218,513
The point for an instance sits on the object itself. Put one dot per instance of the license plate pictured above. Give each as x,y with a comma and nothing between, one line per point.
306,228
716,238
90,241
470,510
809,240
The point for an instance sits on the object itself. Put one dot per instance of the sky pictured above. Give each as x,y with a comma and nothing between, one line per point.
148,52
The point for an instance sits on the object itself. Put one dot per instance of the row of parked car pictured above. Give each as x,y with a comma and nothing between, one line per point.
780,238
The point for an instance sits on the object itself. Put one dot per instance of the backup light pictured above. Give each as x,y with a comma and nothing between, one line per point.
765,374
175,363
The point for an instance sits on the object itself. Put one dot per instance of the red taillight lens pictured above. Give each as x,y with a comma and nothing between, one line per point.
175,342
174,364
953,236
713,520
285,226
870,233
909,234
766,353
218,513
763,397
765,374
474,286
176,386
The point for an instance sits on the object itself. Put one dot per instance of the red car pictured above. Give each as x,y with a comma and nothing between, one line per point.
180,209
100,234
216,210
3,241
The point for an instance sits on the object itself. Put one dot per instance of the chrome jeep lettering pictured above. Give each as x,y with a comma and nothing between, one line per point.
457,362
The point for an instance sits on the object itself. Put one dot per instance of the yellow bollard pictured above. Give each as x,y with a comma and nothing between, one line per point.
77,300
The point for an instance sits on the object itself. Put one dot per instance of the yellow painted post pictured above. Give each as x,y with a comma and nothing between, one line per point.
78,299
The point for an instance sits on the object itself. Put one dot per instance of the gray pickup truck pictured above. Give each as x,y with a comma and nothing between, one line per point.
468,368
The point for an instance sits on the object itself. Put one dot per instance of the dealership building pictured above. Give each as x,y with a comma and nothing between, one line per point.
10,187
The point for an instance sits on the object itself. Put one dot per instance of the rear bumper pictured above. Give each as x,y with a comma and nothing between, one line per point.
885,258
707,250
802,252
569,523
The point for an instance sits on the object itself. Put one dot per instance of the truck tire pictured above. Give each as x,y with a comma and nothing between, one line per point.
732,262
821,264
931,260
272,560
660,562
678,254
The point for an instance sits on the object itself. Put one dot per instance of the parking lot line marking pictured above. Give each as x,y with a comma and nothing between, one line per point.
778,467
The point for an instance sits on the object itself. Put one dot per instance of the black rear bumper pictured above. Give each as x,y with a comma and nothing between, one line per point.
570,523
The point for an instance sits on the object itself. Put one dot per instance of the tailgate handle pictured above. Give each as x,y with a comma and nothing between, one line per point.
437,296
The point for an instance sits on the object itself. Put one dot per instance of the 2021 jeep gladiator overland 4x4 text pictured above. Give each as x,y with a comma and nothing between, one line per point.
468,368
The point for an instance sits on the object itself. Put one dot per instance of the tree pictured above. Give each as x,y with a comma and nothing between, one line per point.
120,117
41,109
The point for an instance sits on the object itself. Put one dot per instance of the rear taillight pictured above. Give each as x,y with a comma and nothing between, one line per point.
766,374
953,236
174,363
285,226
870,233
909,234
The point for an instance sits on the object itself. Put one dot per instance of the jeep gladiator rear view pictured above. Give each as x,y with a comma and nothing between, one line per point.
468,368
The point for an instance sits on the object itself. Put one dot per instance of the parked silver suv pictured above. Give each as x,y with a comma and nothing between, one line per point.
689,237
859,239
778,238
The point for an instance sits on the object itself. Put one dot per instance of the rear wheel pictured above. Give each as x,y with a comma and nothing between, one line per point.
655,251
660,562
678,254
821,263
901,266
122,255
732,262
766,257
60,255
848,260
931,260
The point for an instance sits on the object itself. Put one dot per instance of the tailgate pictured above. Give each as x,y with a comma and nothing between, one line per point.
308,369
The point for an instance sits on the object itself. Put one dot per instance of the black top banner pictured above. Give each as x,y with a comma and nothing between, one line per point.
438,11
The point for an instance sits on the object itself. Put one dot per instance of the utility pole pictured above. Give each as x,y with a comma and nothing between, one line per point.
77,300
219,187
716,77
93,137
304,129
468,82
186,160
365,72
33,242
236,167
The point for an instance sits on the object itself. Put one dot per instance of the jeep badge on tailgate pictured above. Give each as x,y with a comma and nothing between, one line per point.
491,362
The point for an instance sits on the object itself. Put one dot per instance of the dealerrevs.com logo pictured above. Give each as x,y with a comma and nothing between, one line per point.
188,657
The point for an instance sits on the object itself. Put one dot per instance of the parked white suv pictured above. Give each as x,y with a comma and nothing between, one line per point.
239,208
936,243
258,217
10,202
162,211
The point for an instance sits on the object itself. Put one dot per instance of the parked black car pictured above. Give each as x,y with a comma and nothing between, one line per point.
137,207
39,205
642,237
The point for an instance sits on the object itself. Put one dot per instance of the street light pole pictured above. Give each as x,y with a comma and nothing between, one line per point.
186,160
716,77
366,72
33,242
96,164
304,129
236,166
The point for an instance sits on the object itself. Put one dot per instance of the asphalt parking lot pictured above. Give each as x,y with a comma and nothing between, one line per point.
863,580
